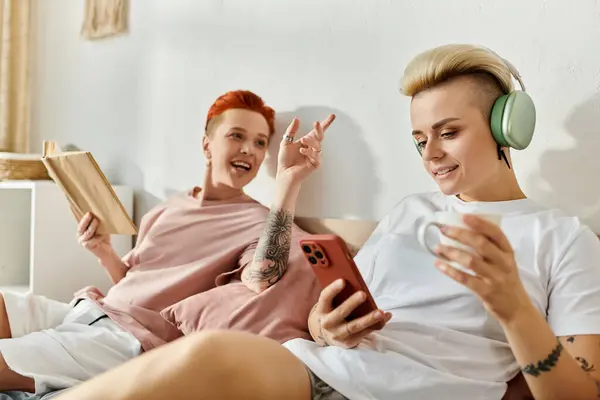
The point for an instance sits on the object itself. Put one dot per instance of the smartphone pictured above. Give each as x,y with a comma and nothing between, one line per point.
330,259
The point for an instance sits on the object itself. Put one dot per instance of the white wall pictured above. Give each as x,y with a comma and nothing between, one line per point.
138,102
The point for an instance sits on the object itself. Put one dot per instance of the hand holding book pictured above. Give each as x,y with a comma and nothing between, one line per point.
87,189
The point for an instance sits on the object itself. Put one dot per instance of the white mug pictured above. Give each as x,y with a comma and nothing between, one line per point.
451,218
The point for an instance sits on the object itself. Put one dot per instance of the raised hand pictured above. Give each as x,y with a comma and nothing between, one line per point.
298,158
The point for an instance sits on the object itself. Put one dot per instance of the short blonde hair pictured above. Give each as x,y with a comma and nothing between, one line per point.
440,64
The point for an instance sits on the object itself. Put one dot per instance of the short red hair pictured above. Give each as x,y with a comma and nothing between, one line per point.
241,99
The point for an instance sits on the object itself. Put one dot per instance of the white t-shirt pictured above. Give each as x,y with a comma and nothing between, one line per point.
441,342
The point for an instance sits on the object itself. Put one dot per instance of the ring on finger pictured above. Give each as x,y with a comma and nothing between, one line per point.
288,138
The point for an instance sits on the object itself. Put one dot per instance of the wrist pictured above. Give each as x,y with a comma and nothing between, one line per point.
314,328
285,179
286,193
522,315
109,257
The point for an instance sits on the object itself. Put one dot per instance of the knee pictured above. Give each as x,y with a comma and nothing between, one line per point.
212,346
236,364
4,369
215,352
10,380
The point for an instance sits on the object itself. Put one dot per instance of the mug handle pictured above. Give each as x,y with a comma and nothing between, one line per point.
422,236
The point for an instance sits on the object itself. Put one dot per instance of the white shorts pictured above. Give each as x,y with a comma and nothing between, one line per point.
60,345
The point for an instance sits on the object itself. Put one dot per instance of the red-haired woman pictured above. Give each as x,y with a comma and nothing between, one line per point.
210,258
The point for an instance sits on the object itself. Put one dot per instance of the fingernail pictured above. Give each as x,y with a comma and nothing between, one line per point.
363,296
379,315
439,248
444,228
340,282
441,266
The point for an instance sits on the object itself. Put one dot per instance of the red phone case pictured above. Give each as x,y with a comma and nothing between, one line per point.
330,259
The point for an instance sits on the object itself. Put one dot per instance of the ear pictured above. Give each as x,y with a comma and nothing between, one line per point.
205,147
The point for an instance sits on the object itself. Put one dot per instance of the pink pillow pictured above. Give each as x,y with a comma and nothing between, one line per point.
272,313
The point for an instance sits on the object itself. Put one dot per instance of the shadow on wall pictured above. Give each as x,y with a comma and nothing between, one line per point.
131,175
572,174
346,185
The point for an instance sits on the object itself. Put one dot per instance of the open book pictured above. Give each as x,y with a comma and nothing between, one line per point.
87,189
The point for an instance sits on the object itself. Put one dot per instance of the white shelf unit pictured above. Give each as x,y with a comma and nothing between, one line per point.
39,251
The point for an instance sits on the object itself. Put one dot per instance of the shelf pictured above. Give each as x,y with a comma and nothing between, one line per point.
39,252
23,184
21,289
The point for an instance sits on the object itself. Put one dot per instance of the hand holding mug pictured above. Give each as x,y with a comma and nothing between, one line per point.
476,253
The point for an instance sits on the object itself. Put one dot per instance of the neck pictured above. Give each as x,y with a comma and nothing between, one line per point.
504,187
217,191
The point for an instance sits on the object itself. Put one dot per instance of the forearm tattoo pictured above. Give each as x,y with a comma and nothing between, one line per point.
273,250
546,364
587,367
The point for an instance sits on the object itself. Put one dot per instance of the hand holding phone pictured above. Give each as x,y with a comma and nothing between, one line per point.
346,311
329,326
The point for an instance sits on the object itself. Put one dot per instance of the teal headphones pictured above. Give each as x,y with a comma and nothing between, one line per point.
512,119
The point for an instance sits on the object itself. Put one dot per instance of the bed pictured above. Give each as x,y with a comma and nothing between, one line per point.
355,233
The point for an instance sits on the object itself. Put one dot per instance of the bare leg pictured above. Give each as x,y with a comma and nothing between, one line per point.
10,380
4,324
208,365
518,389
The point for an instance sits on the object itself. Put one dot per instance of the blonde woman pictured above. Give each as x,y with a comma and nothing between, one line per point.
527,301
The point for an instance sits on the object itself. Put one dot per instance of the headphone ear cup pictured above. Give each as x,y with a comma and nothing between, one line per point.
497,118
513,119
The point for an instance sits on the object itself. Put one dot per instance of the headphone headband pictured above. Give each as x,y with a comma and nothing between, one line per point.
513,70
514,73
